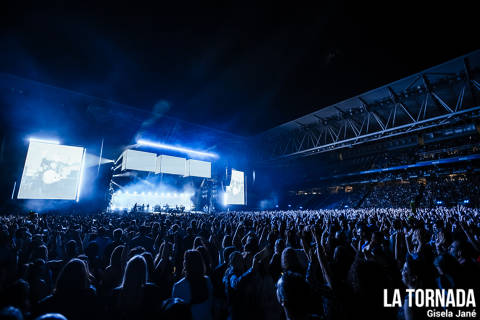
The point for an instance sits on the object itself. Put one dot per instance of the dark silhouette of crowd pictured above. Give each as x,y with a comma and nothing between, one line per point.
322,264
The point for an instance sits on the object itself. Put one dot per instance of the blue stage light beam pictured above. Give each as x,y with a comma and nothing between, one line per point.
32,139
174,148
82,169
225,199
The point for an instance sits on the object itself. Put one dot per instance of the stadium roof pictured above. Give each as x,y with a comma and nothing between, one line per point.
411,104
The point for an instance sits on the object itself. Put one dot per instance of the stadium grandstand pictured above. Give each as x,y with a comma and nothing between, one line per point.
418,136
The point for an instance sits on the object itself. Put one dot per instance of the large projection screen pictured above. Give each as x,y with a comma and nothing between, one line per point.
173,165
139,160
51,171
235,192
198,168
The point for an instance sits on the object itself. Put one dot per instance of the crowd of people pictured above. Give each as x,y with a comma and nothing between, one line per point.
322,264
427,193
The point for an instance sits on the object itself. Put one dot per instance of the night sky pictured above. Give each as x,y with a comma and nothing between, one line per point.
242,69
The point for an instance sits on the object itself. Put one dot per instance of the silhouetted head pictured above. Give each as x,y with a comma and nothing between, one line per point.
37,270
138,250
205,257
149,260
198,242
102,232
10,313
291,292
71,249
279,246
92,250
193,265
72,278
116,256
227,241
135,275
457,249
226,253
18,294
251,245
51,316
117,234
176,309
290,261
235,261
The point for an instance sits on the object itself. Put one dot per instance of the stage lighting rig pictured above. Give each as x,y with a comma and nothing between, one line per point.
175,148
43,140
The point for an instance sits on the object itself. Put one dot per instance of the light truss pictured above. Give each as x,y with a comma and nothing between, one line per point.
429,100
334,141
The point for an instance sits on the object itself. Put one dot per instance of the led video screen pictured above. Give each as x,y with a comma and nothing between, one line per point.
139,160
173,165
51,171
235,192
198,168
